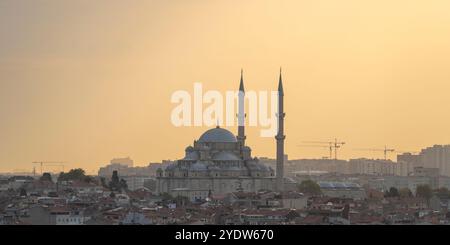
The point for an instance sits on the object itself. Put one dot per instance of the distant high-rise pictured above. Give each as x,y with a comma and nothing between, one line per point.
437,156
408,162
127,161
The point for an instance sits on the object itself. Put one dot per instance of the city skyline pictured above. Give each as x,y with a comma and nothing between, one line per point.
368,74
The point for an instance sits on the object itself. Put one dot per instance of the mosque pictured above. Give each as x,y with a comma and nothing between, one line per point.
219,162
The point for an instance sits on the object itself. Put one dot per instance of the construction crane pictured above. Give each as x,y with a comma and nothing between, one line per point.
330,144
321,146
386,150
49,163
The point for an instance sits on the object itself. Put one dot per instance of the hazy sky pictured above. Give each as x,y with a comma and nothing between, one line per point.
85,81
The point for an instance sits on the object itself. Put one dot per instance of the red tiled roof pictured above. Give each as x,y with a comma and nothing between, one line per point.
278,212
311,220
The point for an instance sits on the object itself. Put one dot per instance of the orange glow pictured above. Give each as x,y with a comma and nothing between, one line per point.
86,81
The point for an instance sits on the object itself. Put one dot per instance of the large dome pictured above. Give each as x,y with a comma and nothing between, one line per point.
217,135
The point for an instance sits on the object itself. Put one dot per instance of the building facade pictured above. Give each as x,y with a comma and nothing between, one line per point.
437,156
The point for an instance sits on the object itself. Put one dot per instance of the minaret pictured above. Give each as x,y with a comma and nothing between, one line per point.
241,112
280,137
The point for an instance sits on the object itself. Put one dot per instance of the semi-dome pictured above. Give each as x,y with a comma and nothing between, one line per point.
218,135
225,156
198,166
192,155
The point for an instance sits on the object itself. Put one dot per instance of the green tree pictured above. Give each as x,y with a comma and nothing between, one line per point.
424,191
114,183
46,177
309,187
23,192
393,192
123,184
88,179
103,181
405,192
117,184
73,174
166,196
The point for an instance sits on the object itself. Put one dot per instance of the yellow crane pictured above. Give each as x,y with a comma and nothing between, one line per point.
332,145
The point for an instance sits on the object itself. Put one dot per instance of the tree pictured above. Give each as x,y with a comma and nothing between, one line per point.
309,187
443,193
73,174
405,192
166,196
393,192
123,184
46,177
182,201
103,181
424,191
88,179
117,184
114,183
23,192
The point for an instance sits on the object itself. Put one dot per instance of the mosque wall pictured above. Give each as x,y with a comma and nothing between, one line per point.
217,186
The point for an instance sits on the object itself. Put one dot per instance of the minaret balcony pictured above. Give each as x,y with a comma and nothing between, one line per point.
280,137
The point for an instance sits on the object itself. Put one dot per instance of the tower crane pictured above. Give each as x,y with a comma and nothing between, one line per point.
49,163
386,150
330,144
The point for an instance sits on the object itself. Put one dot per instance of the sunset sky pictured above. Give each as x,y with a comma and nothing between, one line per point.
85,81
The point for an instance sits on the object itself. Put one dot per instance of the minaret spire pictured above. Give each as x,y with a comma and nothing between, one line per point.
280,84
241,113
280,137
241,83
